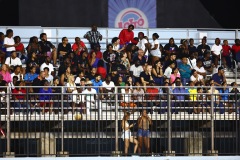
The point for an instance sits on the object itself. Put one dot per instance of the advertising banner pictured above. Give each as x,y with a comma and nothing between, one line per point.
140,13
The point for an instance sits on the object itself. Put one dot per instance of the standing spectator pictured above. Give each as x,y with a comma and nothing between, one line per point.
93,36
6,74
143,43
226,51
236,49
46,47
2,48
155,51
144,122
9,43
126,36
78,47
202,48
216,51
127,136
185,71
64,49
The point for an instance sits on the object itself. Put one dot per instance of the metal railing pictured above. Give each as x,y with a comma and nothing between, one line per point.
183,122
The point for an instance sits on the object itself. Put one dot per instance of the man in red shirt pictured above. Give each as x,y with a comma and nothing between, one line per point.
236,47
79,46
126,36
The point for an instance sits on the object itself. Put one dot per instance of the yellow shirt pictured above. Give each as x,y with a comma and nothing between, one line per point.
193,94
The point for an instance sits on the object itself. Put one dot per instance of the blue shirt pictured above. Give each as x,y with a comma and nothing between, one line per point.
30,77
180,90
217,78
2,48
185,70
225,94
99,83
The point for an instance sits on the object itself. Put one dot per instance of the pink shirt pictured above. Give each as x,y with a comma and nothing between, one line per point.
6,76
172,77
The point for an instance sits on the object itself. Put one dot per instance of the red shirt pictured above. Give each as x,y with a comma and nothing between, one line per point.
81,47
102,71
125,37
235,49
226,50
19,94
20,47
152,93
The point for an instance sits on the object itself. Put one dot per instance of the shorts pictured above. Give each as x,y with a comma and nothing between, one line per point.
143,133
126,135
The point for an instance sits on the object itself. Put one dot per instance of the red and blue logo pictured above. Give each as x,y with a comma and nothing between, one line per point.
131,16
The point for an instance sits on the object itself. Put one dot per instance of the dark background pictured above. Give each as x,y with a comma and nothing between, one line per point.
82,13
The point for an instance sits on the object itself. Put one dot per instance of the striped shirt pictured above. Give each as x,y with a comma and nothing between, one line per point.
93,36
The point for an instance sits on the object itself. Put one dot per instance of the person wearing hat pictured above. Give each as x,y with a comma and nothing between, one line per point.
219,77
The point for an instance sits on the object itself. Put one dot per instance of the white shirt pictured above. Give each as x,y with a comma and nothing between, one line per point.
168,72
13,74
136,70
14,62
9,41
216,49
126,96
193,63
50,66
49,79
90,94
200,77
201,70
141,45
156,52
116,48
108,86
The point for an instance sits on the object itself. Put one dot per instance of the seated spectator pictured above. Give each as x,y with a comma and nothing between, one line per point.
195,77
66,63
20,93
184,95
30,76
192,95
203,48
74,62
224,92
6,74
3,83
71,88
92,74
98,52
13,60
2,48
120,82
124,60
114,76
157,73
64,49
183,49
47,64
80,76
33,46
110,57
116,45
79,47
185,71
48,76
219,77
17,72
192,61
130,82
146,75
152,94
127,97
108,88
20,49
39,81
56,90
216,51
202,105
97,83
235,96
83,63
192,48
46,97
132,53
12,84
101,69
169,61
140,57
33,61
175,74
217,104
139,96
93,60
170,49
46,47
169,70
64,77
226,52
136,70
199,68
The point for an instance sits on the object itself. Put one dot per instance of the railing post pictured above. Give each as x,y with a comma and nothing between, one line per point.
8,136
169,152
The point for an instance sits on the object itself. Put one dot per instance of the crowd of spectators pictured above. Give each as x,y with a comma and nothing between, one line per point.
128,61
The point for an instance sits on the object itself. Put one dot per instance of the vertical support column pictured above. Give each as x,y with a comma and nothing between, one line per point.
47,145
169,152
8,154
